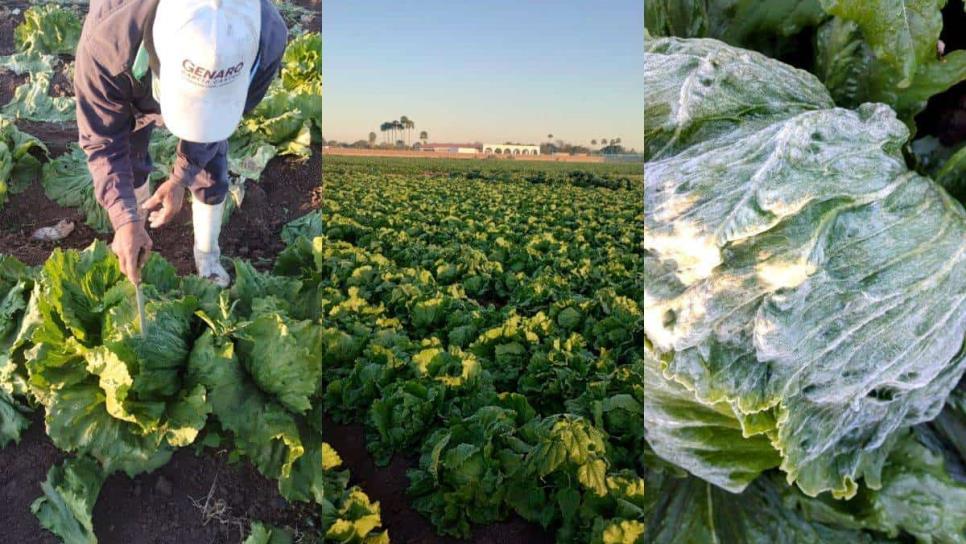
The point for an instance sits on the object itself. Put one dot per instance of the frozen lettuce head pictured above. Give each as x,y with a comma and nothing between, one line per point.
805,293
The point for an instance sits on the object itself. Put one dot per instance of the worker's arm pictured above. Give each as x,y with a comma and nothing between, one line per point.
104,123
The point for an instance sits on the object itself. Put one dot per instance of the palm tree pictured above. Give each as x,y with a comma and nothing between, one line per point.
407,125
404,123
424,136
383,128
372,139
593,143
398,126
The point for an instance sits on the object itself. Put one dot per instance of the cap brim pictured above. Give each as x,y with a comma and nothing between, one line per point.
200,116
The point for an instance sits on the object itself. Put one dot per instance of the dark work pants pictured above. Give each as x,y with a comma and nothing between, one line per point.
210,184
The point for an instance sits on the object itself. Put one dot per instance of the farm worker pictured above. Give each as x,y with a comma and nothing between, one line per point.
194,66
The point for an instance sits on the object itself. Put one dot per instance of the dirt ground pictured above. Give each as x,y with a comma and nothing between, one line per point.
161,507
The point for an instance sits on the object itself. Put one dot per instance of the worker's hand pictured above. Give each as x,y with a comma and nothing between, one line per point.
132,246
169,197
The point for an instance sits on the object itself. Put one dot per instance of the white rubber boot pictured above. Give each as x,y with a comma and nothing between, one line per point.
142,194
207,225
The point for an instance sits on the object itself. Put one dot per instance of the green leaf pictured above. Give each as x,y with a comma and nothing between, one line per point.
32,102
67,506
28,63
918,497
68,182
886,51
266,534
264,431
754,24
78,421
690,511
48,29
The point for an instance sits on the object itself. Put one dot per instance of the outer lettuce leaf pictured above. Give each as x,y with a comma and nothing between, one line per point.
31,101
13,419
706,439
885,51
794,268
309,226
17,166
28,63
68,182
755,24
918,497
16,281
67,507
265,534
690,511
264,431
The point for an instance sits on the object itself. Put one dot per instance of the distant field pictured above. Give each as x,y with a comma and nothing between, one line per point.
350,152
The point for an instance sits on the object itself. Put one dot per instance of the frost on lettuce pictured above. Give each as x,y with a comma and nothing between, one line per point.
806,293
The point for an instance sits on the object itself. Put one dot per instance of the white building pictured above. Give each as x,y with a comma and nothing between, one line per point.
449,148
507,149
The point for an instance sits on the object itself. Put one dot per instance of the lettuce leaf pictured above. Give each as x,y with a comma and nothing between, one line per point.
796,273
18,167
885,51
68,182
67,506
32,101
689,510
48,29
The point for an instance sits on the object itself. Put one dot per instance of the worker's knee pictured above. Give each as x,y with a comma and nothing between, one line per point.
213,194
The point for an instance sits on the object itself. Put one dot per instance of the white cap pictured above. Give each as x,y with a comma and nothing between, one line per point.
205,50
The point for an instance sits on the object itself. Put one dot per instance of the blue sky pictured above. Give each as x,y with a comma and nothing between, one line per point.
485,70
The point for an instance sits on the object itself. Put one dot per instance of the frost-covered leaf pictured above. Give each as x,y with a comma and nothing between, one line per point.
795,270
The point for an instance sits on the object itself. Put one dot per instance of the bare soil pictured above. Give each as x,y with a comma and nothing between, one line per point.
164,507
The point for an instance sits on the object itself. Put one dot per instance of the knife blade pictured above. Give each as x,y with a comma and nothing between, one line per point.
139,295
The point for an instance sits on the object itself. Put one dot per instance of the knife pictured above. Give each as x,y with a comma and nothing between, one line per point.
139,296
